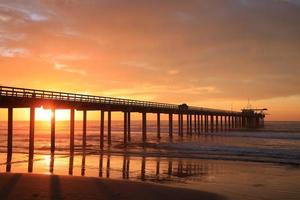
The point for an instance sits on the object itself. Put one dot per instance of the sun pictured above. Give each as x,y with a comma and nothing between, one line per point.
42,114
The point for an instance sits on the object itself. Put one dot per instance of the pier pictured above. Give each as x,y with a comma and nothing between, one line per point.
191,120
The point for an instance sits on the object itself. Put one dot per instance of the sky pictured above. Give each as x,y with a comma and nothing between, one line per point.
216,53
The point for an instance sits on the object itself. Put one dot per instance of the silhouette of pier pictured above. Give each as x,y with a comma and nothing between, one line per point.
191,120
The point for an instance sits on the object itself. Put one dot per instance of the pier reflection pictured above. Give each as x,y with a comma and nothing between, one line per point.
155,169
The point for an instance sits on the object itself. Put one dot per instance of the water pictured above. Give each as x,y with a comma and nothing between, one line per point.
259,164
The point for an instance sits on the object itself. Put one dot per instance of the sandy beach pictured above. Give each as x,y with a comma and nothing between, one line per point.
33,186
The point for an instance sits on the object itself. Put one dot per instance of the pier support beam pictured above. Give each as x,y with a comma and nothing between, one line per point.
72,136
232,122
170,125
52,131
158,125
144,126
225,123
205,123
217,123
187,124
31,139
212,123
198,124
84,130
125,127
52,138
229,123
72,130
9,139
240,122
202,124
109,127
243,122
102,129
129,126
179,124
195,123
191,124
221,123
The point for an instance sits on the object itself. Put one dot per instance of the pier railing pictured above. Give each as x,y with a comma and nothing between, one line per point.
72,97
63,96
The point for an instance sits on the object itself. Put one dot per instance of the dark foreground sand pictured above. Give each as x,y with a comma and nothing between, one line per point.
32,186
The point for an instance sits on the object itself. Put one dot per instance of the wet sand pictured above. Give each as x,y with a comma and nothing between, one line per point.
33,186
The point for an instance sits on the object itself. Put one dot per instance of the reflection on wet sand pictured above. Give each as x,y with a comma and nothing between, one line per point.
130,167
210,175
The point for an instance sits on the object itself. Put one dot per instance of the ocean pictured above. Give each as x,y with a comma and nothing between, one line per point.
262,163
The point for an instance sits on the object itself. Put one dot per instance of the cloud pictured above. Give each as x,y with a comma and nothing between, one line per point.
37,17
31,11
13,52
139,65
66,68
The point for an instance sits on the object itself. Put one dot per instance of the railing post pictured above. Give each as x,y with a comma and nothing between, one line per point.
31,139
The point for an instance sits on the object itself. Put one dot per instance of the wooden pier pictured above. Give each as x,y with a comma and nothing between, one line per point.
199,120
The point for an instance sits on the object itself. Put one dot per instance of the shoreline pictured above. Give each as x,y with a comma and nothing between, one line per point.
39,186
183,155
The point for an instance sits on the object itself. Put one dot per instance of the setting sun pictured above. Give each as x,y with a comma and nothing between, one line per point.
43,114
46,114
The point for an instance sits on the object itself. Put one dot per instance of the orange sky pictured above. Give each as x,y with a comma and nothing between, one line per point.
215,53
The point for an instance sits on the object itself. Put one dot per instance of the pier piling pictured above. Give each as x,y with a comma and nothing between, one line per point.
31,139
